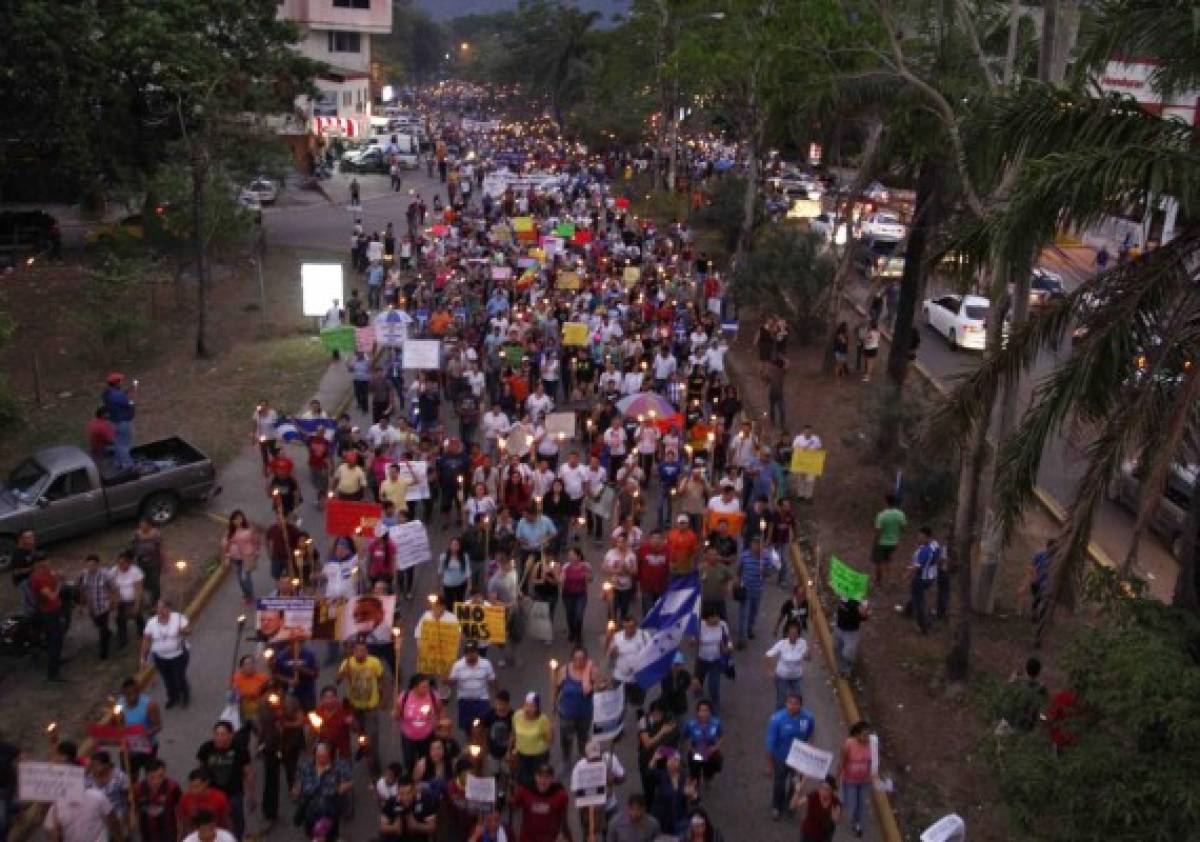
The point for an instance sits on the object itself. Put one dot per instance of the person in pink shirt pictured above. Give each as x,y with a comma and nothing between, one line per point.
856,763
417,711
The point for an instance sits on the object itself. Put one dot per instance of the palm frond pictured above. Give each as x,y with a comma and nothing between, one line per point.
1166,31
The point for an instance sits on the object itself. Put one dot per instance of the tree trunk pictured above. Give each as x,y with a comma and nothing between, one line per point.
925,219
1187,583
962,545
1047,49
199,197
749,205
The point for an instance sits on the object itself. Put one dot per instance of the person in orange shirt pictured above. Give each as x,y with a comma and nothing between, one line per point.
248,682
682,544
519,386
439,322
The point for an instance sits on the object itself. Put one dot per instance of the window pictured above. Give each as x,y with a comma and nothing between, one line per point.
352,4
346,98
68,485
345,42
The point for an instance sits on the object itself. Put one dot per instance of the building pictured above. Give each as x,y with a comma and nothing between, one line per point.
338,33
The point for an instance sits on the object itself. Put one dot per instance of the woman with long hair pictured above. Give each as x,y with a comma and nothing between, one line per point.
240,548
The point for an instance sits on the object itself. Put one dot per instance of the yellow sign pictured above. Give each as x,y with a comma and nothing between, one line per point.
632,275
437,649
522,223
575,333
538,254
482,623
811,462
568,280
501,234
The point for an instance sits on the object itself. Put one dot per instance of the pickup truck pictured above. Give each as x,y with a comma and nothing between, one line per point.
60,492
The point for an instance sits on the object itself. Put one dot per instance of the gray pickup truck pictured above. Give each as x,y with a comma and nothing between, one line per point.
60,492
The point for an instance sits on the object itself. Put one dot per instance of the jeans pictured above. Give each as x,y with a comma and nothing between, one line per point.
575,604
362,393
854,797
775,411
748,613
845,647
786,686
100,621
126,612
708,675
174,676
920,609
123,443
781,782
663,520
51,627
245,578
270,791
579,730
622,599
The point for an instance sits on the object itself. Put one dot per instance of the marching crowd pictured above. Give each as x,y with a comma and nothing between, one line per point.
583,441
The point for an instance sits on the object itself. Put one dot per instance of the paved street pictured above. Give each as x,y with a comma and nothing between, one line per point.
740,797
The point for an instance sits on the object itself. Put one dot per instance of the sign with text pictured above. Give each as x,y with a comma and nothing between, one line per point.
561,423
347,517
608,713
279,619
422,355
411,542
39,781
575,334
134,738
589,783
809,761
481,791
437,648
417,476
568,281
338,339
847,582
811,462
482,623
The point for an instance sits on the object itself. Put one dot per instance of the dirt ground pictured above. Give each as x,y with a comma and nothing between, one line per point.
209,402
932,738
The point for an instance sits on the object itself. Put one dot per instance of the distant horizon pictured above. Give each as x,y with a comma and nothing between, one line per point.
447,9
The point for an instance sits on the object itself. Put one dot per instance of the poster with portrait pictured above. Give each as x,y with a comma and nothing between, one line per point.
279,619
367,616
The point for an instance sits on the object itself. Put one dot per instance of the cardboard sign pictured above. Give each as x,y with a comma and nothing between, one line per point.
422,355
348,517
501,234
411,543
481,791
338,339
132,737
846,581
809,761
565,229
482,623
589,783
522,224
949,828
734,519
575,334
631,275
553,245
561,423
437,648
501,273
364,339
367,616
39,781
279,619
567,280
608,713
811,462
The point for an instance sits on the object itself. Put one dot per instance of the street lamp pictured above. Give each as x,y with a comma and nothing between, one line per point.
464,46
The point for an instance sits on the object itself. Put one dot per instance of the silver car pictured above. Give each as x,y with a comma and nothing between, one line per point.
1171,516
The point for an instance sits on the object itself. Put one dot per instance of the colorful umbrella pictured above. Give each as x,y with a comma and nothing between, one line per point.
645,403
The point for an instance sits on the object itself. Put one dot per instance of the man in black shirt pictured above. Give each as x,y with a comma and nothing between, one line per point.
228,763
409,817
498,723
850,615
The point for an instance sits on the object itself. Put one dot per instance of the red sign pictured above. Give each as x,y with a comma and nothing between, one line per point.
581,237
134,737
346,517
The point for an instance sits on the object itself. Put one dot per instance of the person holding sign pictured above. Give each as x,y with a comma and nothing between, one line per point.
804,484
791,722
822,809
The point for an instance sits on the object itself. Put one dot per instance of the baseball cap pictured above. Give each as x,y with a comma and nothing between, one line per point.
114,378
682,519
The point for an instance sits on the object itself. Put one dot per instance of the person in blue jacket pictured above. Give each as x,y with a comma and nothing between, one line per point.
790,722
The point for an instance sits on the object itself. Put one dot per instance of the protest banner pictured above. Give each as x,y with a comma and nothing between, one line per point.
501,273
364,339
581,237
809,761
575,334
501,234
411,543
367,616
481,792
437,648
132,738
279,619
608,713
846,581
552,246
565,229
561,422
589,783
521,224
338,339
391,328
417,476
422,355
483,624
811,462
734,519
348,517
567,280
38,781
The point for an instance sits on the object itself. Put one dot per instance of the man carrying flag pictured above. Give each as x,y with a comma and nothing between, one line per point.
671,619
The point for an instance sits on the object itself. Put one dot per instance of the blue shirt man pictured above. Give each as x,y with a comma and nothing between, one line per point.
534,531
120,412
791,722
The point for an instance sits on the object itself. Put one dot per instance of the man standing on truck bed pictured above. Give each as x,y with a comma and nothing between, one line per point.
119,404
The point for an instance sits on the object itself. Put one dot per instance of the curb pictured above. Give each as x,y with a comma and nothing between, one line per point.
886,816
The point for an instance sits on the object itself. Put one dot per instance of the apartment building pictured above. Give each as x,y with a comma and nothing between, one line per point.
338,32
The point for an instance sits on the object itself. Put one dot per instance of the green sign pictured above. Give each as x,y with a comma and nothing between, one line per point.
513,354
846,581
338,339
565,229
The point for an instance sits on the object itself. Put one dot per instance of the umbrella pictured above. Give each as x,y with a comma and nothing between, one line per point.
644,403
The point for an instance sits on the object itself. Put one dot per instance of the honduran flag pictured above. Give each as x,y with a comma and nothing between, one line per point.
297,429
675,616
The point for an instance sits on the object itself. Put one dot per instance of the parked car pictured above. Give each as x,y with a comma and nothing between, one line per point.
962,320
24,233
369,160
131,227
876,192
875,257
263,189
823,224
1171,515
884,225
1045,286
60,492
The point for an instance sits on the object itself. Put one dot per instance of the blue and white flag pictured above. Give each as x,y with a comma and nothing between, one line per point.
673,617
297,429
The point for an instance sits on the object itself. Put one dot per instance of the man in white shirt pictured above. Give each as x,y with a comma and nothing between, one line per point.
88,818
623,651
574,476
207,830
539,404
495,426
543,478
714,357
664,367
725,503
473,678
743,446
647,437
382,433
803,485
614,440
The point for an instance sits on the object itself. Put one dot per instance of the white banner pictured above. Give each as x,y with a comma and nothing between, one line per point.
417,474
589,783
561,423
412,544
481,790
391,328
422,354
49,781
608,713
809,761
949,828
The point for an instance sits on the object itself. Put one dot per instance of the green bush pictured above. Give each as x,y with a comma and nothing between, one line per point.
788,276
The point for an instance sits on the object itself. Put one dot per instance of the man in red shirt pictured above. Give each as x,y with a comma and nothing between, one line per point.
653,573
202,798
682,543
101,435
46,590
318,465
543,808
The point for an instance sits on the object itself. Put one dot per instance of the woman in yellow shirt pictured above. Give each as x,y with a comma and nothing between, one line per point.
532,736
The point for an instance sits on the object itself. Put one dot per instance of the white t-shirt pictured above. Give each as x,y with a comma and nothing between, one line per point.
664,367
264,422
596,477
718,505
537,405
710,638
495,424
126,582
83,819
573,477
472,681
791,657
222,836
625,650
714,358
340,578
166,639
803,442
620,568
647,438
631,384
384,790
